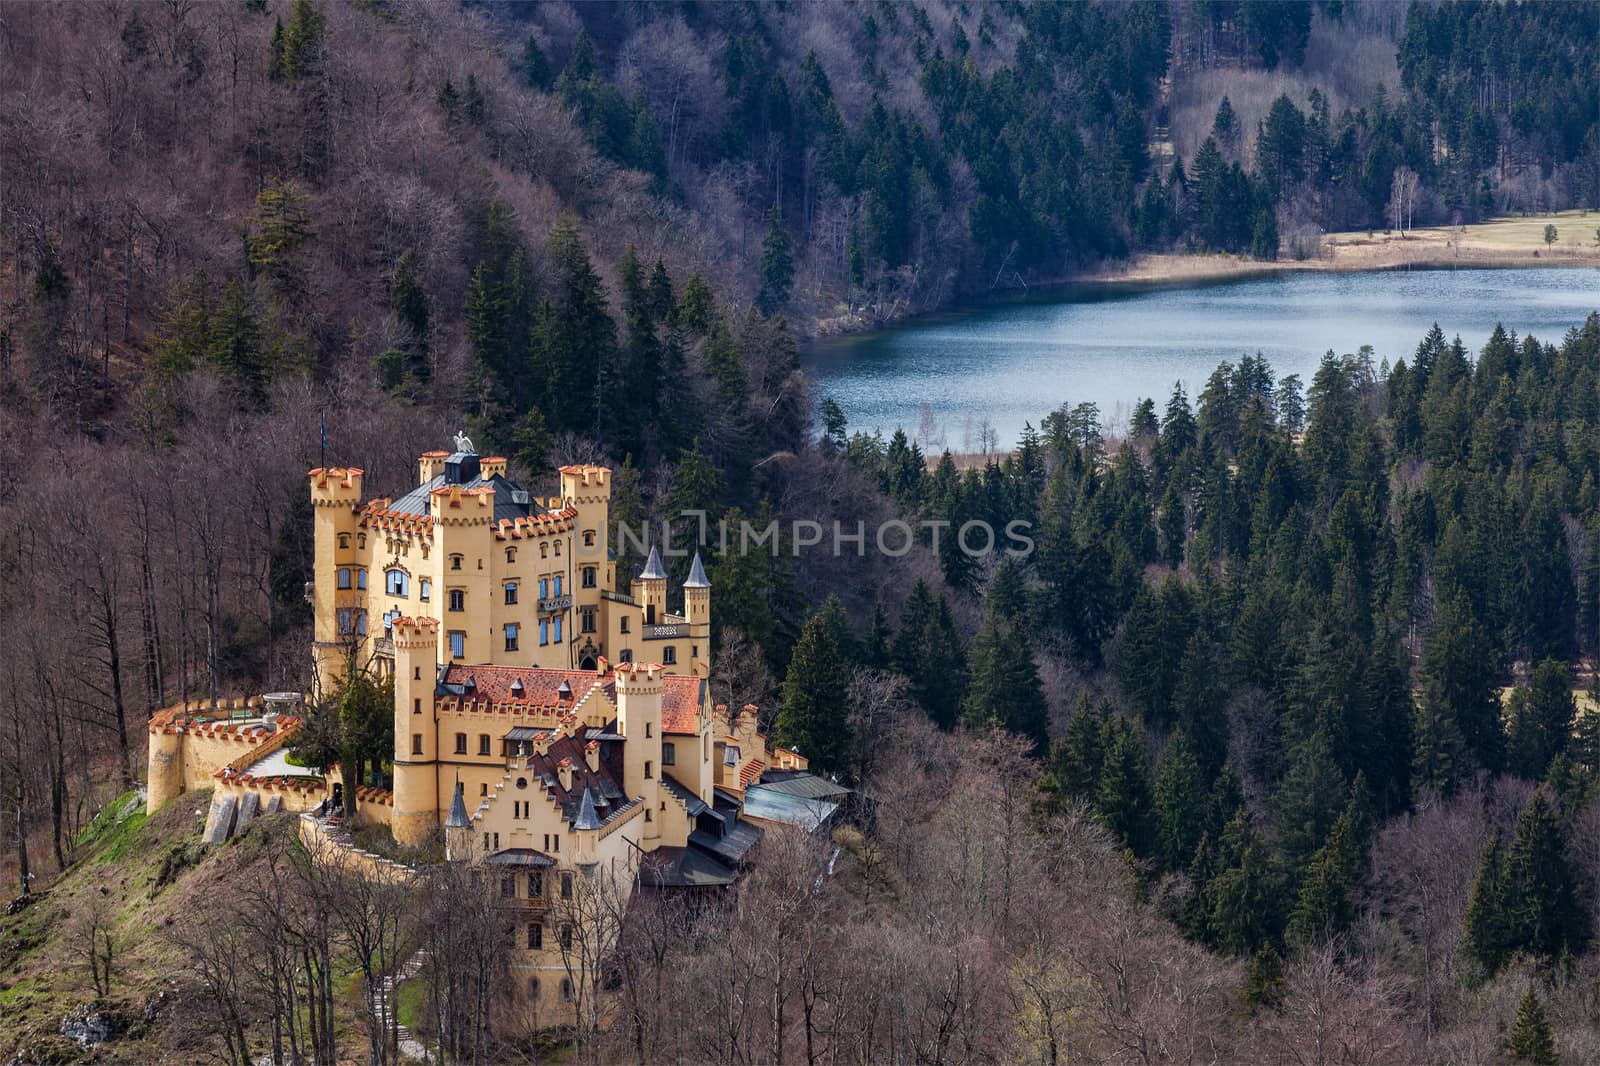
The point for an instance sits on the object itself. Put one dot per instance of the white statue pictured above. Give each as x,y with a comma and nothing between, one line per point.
464,443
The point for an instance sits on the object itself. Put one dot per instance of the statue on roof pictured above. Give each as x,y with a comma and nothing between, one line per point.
464,443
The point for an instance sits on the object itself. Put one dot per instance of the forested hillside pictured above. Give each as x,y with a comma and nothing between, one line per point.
1279,725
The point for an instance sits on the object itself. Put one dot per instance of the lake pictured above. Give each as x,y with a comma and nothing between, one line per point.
1014,361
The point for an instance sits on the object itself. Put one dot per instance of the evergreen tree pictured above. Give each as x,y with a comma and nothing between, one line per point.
814,716
1545,911
1541,719
1122,797
1180,803
777,266
1531,1039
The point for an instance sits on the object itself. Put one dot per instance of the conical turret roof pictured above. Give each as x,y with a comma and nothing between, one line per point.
653,570
458,810
697,575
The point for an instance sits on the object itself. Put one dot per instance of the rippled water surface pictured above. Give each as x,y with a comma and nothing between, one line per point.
1012,362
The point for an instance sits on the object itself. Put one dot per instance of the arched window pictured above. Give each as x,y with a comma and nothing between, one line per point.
588,538
511,555
397,582
455,561
558,549
566,989
344,542
544,551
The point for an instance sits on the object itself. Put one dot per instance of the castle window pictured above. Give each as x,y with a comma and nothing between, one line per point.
669,755
647,817
536,884
588,577
544,551
344,542
342,618
647,730
647,774
566,886
558,549
587,619
535,943
361,623
344,578
588,538
566,933
511,636
461,743
511,592
483,788
624,628
416,743
361,579
511,555
566,982
458,600
557,637
544,632
425,589
555,845
483,744
669,655
416,673
558,584
361,540
508,886
694,651
416,705
397,582
455,562
544,588
625,655
533,989
458,644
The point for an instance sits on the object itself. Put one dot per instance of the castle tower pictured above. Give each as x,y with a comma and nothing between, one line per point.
458,828
639,689
335,497
416,775
165,760
650,589
430,466
697,610
463,543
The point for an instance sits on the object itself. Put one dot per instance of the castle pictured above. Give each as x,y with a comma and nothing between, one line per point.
546,725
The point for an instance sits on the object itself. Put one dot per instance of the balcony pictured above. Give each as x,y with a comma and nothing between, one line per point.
666,631
554,604
383,646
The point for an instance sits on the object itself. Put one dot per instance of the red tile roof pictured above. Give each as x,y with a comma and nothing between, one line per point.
680,697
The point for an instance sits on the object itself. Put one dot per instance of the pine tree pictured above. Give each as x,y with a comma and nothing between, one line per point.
282,226
814,717
777,266
1122,797
1488,933
1546,914
1541,719
1531,1039
1325,905
1179,802
1263,978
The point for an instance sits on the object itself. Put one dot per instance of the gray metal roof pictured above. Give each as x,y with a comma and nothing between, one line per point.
520,857
732,847
458,810
684,868
588,817
506,496
806,786
653,571
697,575
807,814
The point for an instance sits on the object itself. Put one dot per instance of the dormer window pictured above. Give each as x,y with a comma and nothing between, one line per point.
516,687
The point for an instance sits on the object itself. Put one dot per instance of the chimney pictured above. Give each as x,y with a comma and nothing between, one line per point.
564,771
591,756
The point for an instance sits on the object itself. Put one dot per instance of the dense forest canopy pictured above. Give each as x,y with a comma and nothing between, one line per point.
1290,687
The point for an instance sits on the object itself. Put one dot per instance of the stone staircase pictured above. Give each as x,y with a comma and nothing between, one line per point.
411,1049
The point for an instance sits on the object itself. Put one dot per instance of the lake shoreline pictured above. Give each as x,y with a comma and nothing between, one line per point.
1498,244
